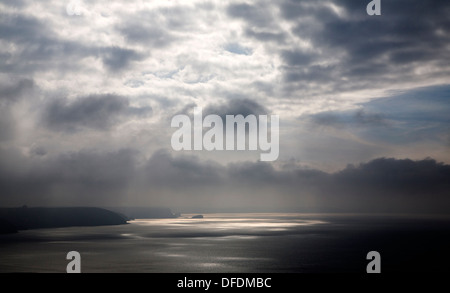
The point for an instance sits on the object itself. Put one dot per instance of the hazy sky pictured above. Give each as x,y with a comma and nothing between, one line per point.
86,103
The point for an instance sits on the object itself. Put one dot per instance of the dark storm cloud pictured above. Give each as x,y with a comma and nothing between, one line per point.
84,177
408,34
96,112
383,184
390,185
388,176
296,58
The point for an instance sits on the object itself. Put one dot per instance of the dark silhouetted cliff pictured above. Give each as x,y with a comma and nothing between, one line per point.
34,218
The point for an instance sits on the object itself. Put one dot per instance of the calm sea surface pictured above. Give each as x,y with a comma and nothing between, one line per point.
236,243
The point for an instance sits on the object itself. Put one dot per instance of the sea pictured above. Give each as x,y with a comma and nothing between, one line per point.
237,243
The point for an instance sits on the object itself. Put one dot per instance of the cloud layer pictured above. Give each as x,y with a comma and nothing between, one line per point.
86,101
185,183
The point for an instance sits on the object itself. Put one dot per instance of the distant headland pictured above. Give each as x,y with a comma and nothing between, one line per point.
13,220
24,218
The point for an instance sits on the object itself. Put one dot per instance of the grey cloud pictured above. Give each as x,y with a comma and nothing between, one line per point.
233,106
326,119
264,174
383,184
374,71
417,105
413,122
78,178
148,34
109,170
363,118
14,3
406,28
186,109
37,150
99,112
389,185
256,15
259,19
116,58
165,102
38,42
264,87
34,40
157,28
253,172
416,115
85,177
265,36
408,34
393,177
20,28
239,106
296,58
7,125
348,119
291,9
309,74
409,56
351,51
180,173
12,92
184,18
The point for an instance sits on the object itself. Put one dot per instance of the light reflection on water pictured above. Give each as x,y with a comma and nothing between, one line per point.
235,243
217,242
271,222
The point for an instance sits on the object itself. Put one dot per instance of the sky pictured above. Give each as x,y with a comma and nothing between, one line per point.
88,90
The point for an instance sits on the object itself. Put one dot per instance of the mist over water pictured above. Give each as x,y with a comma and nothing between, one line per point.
236,243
